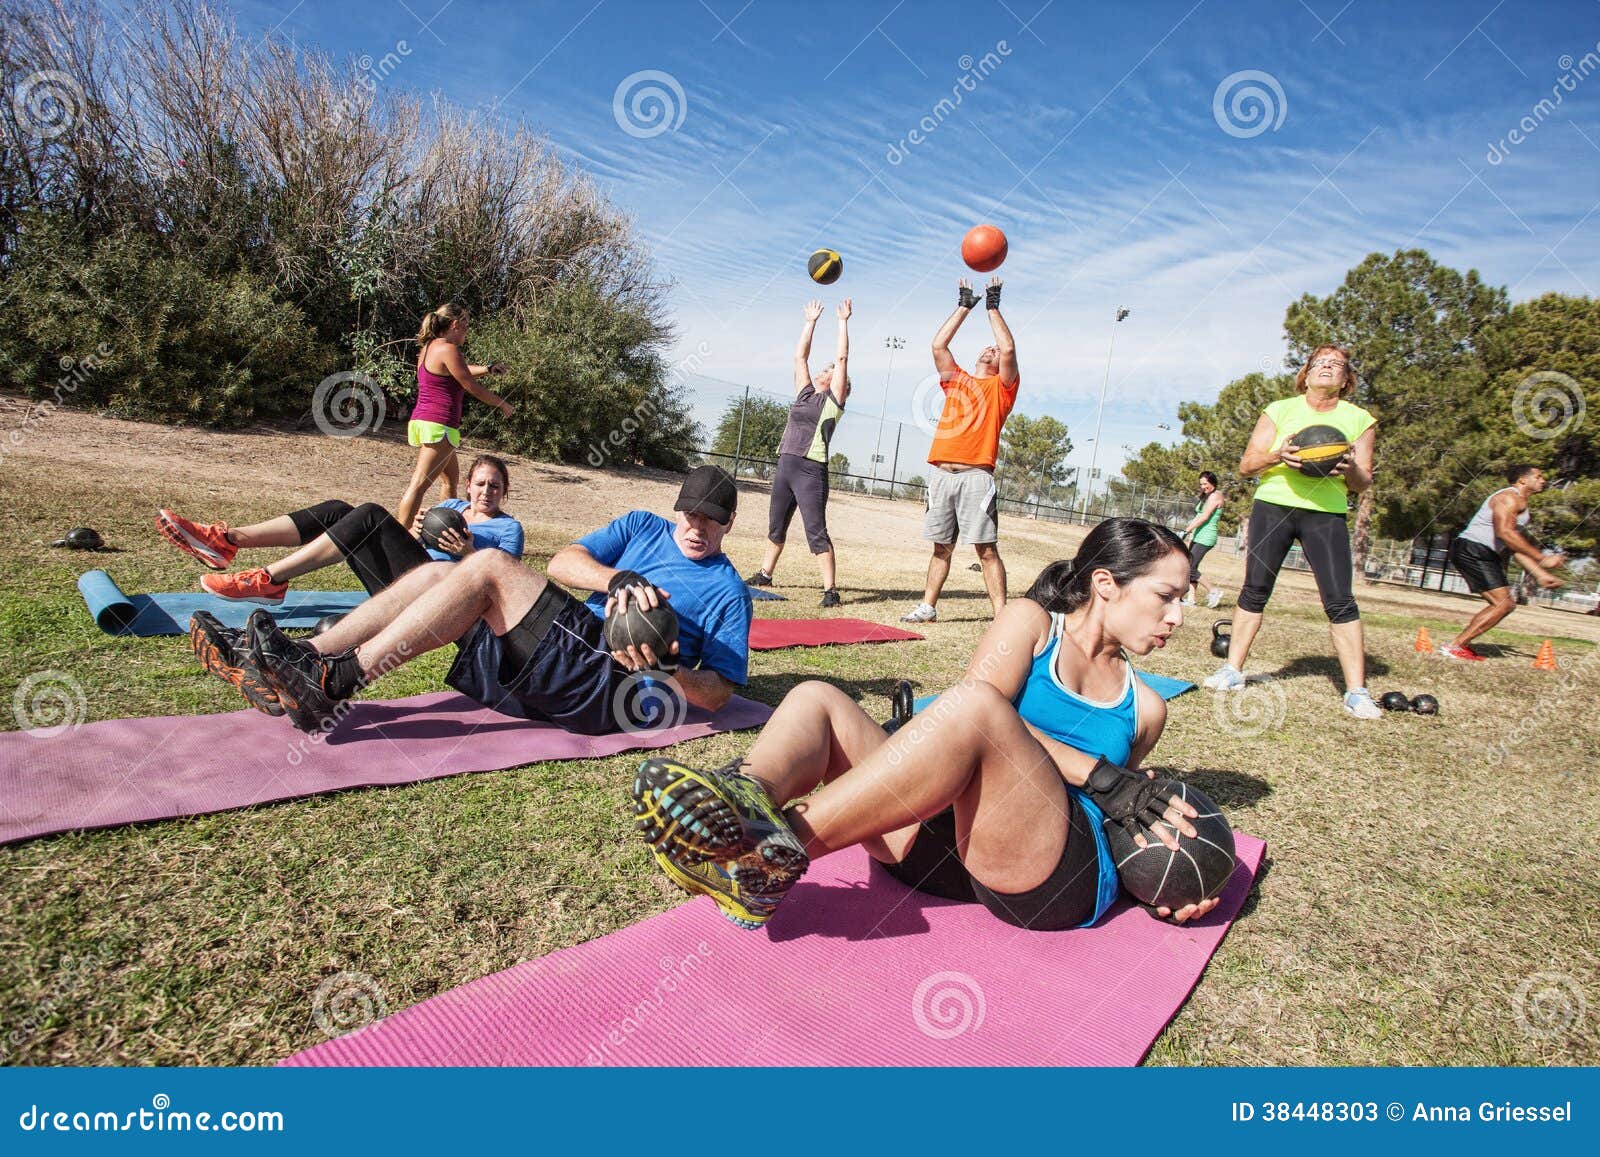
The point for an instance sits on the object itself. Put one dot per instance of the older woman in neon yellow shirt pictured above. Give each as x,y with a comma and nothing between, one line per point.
1292,507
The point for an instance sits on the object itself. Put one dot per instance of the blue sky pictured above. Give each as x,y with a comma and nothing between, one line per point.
1100,137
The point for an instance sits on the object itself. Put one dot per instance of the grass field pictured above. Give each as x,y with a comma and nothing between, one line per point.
1427,898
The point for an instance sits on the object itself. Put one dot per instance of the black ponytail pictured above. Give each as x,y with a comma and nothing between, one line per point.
1127,547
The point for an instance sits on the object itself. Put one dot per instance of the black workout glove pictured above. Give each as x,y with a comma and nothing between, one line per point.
1129,798
627,578
968,299
991,297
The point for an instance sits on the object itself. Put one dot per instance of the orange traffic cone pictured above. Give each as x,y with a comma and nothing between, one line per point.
1423,643
1546,659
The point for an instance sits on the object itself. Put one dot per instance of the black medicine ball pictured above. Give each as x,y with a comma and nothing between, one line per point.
81,538
1394,701
825,266
439,520
1198,870
1425,705
326,623
638,626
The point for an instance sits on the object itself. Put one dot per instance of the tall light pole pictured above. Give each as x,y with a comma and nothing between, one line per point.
1094,455
891,344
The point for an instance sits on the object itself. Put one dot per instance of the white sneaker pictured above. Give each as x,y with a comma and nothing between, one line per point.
1358,701
1215,599
923,614
1186,601
1225,679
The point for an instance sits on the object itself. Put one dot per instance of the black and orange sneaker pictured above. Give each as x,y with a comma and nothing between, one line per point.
296,673
207,542
222,652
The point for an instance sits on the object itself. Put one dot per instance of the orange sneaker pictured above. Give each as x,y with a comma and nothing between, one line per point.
247,586
208,543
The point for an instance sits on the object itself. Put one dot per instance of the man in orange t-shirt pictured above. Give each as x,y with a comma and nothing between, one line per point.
962,501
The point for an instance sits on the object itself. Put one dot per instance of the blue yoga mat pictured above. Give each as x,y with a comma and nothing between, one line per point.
117,613
759,594
1163,685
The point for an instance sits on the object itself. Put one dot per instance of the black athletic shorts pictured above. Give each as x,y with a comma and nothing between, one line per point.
553,665
1480,565
1065,900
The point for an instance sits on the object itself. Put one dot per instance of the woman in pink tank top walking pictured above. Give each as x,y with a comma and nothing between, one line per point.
443,379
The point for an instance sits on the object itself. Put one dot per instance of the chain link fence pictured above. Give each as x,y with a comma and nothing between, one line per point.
886,458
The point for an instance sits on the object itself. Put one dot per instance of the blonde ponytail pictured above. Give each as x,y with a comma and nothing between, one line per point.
438,321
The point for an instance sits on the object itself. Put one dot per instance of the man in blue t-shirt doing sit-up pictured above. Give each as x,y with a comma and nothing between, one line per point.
528,649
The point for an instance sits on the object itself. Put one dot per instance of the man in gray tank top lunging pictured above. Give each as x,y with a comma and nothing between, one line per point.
1480,551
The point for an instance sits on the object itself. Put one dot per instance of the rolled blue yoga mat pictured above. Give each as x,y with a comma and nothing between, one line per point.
117,613
1163,685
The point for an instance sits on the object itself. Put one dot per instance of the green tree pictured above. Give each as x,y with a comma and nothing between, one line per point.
838,467
1214,438
764,420
1413,329
1541,404
1033,458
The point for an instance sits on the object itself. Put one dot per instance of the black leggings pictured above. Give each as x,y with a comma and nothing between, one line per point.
1326,544
377,547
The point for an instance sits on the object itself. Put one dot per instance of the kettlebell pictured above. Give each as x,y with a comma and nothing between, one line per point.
1221,632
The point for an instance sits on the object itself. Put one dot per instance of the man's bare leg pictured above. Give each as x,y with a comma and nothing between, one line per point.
938,571
994,573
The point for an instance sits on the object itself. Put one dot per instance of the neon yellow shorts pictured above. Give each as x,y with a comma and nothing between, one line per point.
427,433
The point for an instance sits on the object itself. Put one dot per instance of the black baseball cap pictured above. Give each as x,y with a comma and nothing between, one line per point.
709,490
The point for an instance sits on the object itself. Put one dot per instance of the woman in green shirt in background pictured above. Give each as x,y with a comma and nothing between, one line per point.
1293,507
1207,516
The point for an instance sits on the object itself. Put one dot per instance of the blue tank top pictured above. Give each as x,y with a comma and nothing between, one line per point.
1104,729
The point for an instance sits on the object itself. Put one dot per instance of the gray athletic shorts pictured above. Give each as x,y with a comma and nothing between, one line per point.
962,508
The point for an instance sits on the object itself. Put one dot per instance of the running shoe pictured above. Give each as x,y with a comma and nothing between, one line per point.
222,652
1358,702
830,598
1460,651
295,672
207,542
747,890
1225,679
924,613
245,586
760,579
1186,601
694,815
1214,599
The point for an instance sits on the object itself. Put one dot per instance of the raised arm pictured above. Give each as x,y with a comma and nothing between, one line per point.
1004,345
463,373
943,360
839,385
802,351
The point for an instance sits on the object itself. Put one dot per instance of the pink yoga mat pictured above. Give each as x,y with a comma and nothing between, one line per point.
855,969
775,634
124,771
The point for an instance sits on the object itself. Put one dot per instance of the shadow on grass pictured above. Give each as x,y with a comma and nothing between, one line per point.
1325,666
1256,887
771,689
887,595
1228,789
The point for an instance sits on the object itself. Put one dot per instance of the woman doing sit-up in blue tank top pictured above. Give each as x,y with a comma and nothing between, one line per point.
996,792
